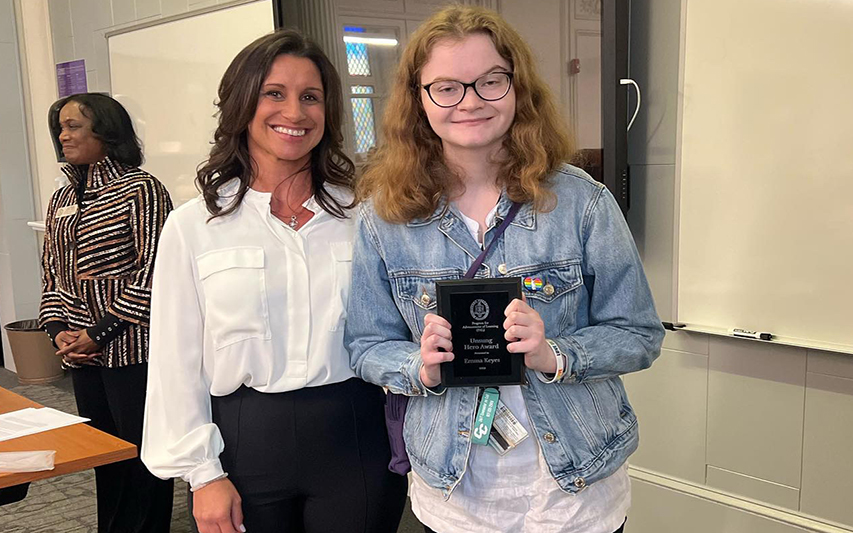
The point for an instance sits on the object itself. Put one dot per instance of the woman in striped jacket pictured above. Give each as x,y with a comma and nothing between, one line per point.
100,241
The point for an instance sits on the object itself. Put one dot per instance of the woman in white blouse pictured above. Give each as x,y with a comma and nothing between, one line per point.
251,398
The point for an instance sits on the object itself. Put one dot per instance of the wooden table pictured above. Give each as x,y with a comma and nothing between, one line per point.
78,447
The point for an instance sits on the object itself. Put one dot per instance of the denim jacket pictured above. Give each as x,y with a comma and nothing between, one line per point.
596,306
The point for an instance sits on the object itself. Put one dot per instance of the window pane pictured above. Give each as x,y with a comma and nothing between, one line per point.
357,62
362,117
371,53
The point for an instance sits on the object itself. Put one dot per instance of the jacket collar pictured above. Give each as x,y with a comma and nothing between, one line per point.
525,218
103,172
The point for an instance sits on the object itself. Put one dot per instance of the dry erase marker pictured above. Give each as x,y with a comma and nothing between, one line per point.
747,334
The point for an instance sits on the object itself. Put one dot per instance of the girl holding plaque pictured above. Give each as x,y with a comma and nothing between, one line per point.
472,138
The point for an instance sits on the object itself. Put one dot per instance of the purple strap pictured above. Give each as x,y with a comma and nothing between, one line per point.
509,216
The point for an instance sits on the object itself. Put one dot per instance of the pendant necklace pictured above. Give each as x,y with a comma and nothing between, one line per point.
291,220
277,204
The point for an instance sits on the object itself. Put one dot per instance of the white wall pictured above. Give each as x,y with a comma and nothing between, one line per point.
19,280
79,28
541,22
40,91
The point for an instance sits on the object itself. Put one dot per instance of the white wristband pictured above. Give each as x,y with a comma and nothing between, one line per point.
561,365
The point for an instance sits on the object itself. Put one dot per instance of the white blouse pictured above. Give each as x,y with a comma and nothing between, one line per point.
240,300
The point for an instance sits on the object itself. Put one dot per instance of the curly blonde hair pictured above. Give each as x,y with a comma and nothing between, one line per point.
407,176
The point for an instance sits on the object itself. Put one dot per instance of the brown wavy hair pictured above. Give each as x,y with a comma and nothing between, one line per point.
239,92
408,176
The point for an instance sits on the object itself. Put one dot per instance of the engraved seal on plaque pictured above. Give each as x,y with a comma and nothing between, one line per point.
479,309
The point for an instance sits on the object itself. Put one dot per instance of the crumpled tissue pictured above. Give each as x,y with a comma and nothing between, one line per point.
34,461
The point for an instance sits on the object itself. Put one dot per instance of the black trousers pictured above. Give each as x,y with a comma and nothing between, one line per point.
130,498
620,530
313,460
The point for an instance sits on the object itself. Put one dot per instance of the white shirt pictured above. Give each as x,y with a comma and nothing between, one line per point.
240,300
516,492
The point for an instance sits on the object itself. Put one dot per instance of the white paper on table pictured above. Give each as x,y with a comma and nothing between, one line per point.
34,461
34,420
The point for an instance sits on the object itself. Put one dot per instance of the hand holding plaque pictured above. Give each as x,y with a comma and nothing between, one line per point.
475,310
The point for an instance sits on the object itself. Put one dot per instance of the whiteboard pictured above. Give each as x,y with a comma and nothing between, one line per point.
167,76
765,225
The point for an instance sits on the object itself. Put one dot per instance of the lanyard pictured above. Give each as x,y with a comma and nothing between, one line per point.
479,261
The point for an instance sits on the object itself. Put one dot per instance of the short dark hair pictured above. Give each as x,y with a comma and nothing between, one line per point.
110,123
238,101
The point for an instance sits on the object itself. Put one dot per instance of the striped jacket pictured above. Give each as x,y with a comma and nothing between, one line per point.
98,257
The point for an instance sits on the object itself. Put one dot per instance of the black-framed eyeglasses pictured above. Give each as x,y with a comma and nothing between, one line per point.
489,87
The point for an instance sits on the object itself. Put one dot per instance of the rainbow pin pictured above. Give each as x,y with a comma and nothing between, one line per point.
533,284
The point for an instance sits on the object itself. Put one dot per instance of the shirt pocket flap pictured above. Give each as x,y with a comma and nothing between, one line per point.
550,282
341,251
420,288
240,257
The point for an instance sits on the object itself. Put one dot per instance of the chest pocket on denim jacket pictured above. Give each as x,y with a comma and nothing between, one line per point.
553,292
415,294
235,294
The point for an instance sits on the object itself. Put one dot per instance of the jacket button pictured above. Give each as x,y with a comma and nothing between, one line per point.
502,268
549,438
548,289
580,483
425,299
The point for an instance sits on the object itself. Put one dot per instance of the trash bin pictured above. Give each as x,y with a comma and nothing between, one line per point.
34,355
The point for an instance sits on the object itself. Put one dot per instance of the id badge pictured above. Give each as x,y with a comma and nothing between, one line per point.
507,432
485,416
66,211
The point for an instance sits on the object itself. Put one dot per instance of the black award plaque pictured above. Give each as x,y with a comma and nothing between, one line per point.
475,310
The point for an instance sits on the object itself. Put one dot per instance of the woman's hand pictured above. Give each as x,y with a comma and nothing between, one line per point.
217,508
436,335
64,338
80,350
525,332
